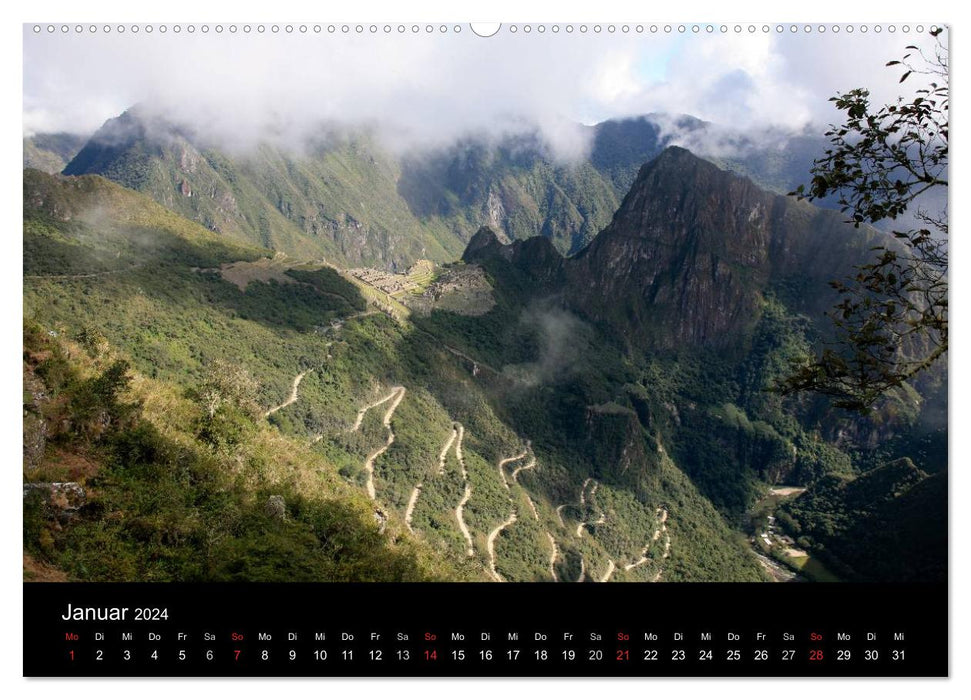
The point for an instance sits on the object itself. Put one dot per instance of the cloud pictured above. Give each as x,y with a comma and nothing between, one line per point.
427,90
561,342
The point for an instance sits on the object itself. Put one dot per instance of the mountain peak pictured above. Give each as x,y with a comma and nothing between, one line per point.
683,184
692,248
675,160
484,241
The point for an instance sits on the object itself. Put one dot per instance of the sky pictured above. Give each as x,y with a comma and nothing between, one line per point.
428,89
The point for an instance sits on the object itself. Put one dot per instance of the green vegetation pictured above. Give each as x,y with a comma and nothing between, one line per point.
337,200
178,488
885,525
221,355
886,163
51,152
185,449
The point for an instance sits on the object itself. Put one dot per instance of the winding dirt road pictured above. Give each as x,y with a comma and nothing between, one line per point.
293,394
609,572
661,530
583,571
470,550
491,545
409,511
458,434
460,508
444,453
509,460
529,465
583,491
554,554
399,393
532,506
515,474
360,414
515,479
640,562
458,451
583,500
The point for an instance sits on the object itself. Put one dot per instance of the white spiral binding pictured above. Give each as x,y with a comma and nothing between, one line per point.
428,29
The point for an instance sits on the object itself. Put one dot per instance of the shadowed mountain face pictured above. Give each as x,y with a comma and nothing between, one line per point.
895,507
689,254
51,152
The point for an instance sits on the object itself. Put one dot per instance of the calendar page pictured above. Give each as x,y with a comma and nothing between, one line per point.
519,349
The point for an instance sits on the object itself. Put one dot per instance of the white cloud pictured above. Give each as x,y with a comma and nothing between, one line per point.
431,89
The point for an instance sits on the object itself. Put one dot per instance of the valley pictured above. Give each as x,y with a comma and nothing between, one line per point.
494,415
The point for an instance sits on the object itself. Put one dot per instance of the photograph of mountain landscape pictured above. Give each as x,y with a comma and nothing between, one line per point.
562,304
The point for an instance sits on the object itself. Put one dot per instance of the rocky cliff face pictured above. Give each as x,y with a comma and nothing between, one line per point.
688,250
689,254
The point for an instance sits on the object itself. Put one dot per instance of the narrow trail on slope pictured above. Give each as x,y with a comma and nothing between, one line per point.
470,550
399,391
475,363
360,414
661,530
86,275
293,394
554,554
559,509
583,499
609,572
532,506
359,314
667,539
509,460
445,449
667,545
458,451
515,478
529,465
319,436
409,511
583,491
416,492
491,546
454,441
583,571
